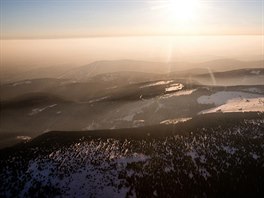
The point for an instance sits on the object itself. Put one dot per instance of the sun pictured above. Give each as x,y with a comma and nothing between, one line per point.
179,16
182,10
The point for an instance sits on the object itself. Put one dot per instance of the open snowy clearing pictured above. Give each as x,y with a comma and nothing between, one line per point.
222,97
239,105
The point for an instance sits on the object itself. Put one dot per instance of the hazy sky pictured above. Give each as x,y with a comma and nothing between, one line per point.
70,18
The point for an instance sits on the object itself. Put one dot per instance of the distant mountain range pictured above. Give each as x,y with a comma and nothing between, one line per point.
102,67
85,72
85,88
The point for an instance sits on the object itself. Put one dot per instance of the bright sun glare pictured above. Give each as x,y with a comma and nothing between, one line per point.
182,10
182,16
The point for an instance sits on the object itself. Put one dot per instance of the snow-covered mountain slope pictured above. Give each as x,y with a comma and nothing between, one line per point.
204,160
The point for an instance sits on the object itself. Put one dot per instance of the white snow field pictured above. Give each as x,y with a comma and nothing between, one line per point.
233,101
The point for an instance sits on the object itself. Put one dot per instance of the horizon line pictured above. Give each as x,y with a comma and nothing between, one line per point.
121,35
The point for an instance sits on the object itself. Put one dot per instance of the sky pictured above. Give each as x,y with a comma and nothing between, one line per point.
43,33
92,18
